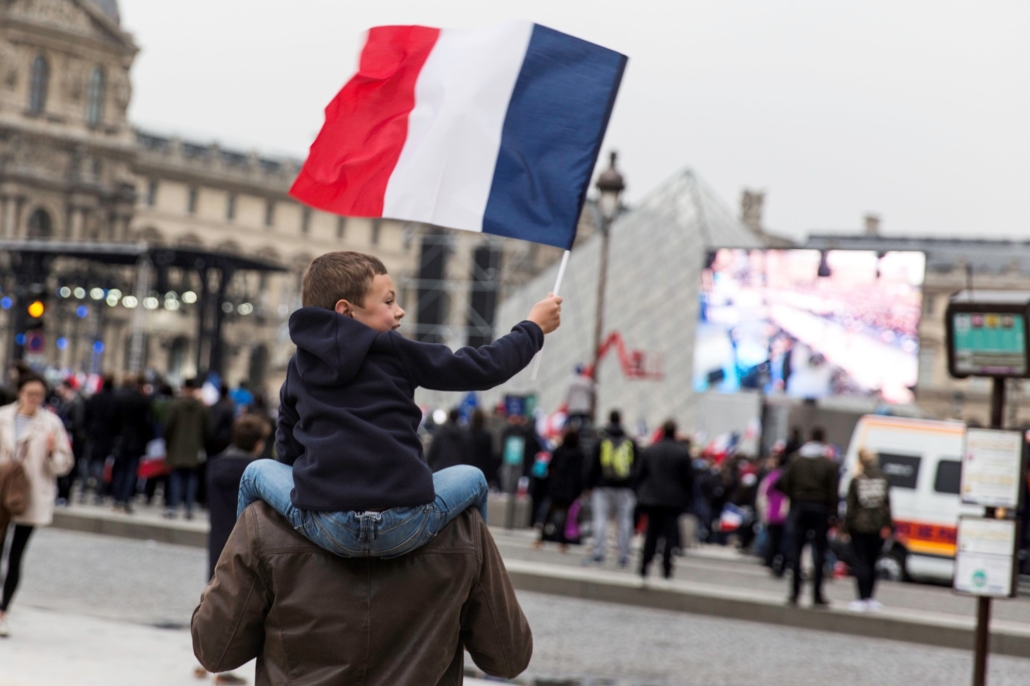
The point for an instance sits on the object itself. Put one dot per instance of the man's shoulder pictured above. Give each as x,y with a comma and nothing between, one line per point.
269,532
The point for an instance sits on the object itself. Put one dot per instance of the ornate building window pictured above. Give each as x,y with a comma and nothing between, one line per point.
341,226
152,193
230,207
191,203
96,93
41,227
305,221
377,226
38,84
270,213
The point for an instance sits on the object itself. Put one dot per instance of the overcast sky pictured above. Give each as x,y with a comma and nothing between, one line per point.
916,110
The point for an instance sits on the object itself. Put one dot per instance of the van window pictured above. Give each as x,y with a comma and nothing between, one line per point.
949,475
901,470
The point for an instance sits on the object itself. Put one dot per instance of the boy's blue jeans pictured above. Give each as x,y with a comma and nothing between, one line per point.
388,533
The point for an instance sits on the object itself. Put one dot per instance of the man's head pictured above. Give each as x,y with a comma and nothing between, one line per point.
615,418
453,415
669,429
249,434
190,387
818,435
354,285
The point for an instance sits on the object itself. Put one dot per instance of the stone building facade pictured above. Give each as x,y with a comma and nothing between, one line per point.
73,168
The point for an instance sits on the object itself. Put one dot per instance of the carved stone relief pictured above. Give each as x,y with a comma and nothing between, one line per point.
59,12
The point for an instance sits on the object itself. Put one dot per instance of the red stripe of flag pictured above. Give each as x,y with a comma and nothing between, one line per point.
366,124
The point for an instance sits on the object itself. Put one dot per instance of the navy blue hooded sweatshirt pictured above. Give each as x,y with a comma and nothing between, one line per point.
347,417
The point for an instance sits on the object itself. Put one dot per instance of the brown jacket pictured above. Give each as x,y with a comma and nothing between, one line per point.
312,618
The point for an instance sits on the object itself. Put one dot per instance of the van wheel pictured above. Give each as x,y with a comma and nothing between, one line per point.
891,566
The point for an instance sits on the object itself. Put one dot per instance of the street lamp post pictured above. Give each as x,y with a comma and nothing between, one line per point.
610,185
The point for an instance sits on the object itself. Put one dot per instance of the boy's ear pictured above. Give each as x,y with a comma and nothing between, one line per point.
344,307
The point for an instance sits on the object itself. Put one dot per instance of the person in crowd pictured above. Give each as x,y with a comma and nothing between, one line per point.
579,401
351,474
483,447
665,488
37,439
222,414
135,429
407,624
519,446
451,445
810,481
611,479
743,498
241,396
249,435
868,522
564,486
160,400
187,427
794,443
260,410
8,391
71,408
102,417
773,508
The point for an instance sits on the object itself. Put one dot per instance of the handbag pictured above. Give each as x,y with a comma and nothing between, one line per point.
15,490
154,464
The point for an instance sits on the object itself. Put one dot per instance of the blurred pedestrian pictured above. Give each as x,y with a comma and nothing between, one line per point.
519,446
35,437
868,522
611,480
102,417
483,447
773,508
71,408
579,401
260,410
564,486
187,427
222,414
810,481
452,444
241,396
135,429
665,490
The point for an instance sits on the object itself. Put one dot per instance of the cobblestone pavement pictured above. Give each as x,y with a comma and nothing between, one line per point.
594,643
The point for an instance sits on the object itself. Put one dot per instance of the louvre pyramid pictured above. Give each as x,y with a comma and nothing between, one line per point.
656,255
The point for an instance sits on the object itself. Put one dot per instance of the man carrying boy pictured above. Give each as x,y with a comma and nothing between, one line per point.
351,475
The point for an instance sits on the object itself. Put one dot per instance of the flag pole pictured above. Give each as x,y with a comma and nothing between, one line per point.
557,285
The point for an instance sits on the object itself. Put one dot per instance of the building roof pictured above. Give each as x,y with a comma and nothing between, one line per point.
110,8
985,256
657,252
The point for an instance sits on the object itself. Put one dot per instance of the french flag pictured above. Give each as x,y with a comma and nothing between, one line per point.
494,130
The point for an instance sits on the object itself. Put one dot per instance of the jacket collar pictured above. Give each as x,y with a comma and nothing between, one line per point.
7,426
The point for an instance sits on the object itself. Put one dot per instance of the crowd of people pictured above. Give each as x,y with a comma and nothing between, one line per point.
113,447
772,508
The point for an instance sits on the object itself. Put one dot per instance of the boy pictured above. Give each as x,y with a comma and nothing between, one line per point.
350,474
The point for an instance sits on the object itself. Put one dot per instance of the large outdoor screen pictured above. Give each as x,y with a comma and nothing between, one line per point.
810,324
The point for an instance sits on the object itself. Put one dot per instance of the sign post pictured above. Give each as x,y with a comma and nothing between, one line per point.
987,335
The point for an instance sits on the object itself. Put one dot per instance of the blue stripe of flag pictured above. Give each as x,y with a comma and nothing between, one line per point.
551,138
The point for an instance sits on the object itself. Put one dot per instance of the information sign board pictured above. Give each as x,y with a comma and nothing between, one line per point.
992,468
989,343
985,563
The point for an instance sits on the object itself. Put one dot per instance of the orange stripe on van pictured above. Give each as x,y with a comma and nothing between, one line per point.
927,539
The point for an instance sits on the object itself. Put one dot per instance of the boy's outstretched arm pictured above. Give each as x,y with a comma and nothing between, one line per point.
475,369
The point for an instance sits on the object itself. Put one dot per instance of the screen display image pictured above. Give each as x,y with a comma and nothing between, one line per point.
989,343
810,324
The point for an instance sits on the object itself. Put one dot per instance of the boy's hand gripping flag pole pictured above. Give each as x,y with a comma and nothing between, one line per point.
494,130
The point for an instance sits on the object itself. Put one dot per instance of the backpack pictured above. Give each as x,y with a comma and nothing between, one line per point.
616,458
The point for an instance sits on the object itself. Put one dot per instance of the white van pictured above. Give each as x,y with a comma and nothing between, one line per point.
923,460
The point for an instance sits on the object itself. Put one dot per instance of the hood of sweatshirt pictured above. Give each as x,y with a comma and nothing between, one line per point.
330,347
614,430
812,449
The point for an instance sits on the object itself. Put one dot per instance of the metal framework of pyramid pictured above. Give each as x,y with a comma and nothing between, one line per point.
656,256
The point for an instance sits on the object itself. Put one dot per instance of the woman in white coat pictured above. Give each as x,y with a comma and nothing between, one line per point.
37,438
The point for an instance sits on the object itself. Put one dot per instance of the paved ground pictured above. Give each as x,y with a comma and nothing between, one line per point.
89,605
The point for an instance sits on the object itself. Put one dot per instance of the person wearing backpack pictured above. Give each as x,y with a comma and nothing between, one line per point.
611,480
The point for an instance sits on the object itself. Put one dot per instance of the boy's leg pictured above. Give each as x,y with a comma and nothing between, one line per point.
272,482
458,488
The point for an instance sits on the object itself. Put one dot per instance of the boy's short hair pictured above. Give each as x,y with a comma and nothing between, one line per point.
247,430
336,276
